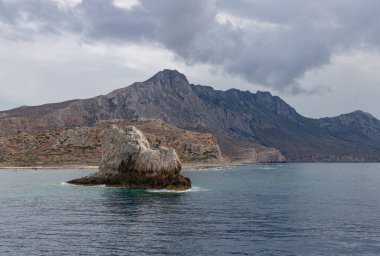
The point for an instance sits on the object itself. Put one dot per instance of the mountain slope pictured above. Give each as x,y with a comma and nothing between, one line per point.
238,119
81,145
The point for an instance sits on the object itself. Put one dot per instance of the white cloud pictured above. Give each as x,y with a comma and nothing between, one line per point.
354,82
245,23
67,3
126,4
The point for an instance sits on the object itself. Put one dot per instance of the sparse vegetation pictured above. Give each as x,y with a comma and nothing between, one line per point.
81,145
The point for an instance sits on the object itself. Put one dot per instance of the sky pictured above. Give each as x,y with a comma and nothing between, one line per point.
322,57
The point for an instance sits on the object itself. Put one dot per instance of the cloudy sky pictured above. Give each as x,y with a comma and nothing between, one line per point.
321,56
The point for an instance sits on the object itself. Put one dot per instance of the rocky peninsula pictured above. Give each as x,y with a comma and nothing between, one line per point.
128,160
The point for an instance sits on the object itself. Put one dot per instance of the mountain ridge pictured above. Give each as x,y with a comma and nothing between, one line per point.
236,118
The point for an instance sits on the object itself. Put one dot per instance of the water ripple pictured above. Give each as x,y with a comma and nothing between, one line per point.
300,209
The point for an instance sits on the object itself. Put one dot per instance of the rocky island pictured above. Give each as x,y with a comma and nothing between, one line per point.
128,160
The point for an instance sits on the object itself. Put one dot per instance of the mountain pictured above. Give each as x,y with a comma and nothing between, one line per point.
240,120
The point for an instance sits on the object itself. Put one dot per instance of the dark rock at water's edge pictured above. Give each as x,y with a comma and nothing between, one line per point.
129,161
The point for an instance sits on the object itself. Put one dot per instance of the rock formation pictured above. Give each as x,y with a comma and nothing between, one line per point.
129,161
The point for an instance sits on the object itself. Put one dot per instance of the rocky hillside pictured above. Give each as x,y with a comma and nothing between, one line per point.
238,119
82,145
355,127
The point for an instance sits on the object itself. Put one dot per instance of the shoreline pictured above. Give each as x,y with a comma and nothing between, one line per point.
185,166
81,167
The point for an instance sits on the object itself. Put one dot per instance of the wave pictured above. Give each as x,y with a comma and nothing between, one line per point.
266,168
94,186
193,189
66,184
209,169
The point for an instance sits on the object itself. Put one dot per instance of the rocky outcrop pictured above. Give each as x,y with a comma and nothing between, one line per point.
128,160
191,147
246,152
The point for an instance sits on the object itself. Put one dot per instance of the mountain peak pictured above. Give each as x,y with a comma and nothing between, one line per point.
169,76
360,113
264,93
355,115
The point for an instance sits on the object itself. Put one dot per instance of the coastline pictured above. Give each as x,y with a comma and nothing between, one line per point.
95,167
185,166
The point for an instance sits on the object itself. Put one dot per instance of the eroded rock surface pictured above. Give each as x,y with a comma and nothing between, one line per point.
128,160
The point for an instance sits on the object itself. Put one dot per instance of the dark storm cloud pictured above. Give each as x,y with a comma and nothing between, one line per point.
102,20
272,43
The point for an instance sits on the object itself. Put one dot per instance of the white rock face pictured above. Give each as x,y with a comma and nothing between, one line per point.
128,149
129,161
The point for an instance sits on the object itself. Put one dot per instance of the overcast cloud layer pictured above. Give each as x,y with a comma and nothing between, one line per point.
273,44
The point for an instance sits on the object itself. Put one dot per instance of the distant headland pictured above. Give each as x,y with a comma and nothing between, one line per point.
205,127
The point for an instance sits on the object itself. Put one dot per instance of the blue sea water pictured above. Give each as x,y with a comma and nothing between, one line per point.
285,209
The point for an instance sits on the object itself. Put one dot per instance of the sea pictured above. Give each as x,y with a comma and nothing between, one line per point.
279,209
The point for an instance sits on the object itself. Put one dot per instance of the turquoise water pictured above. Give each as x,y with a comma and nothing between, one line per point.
287,209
